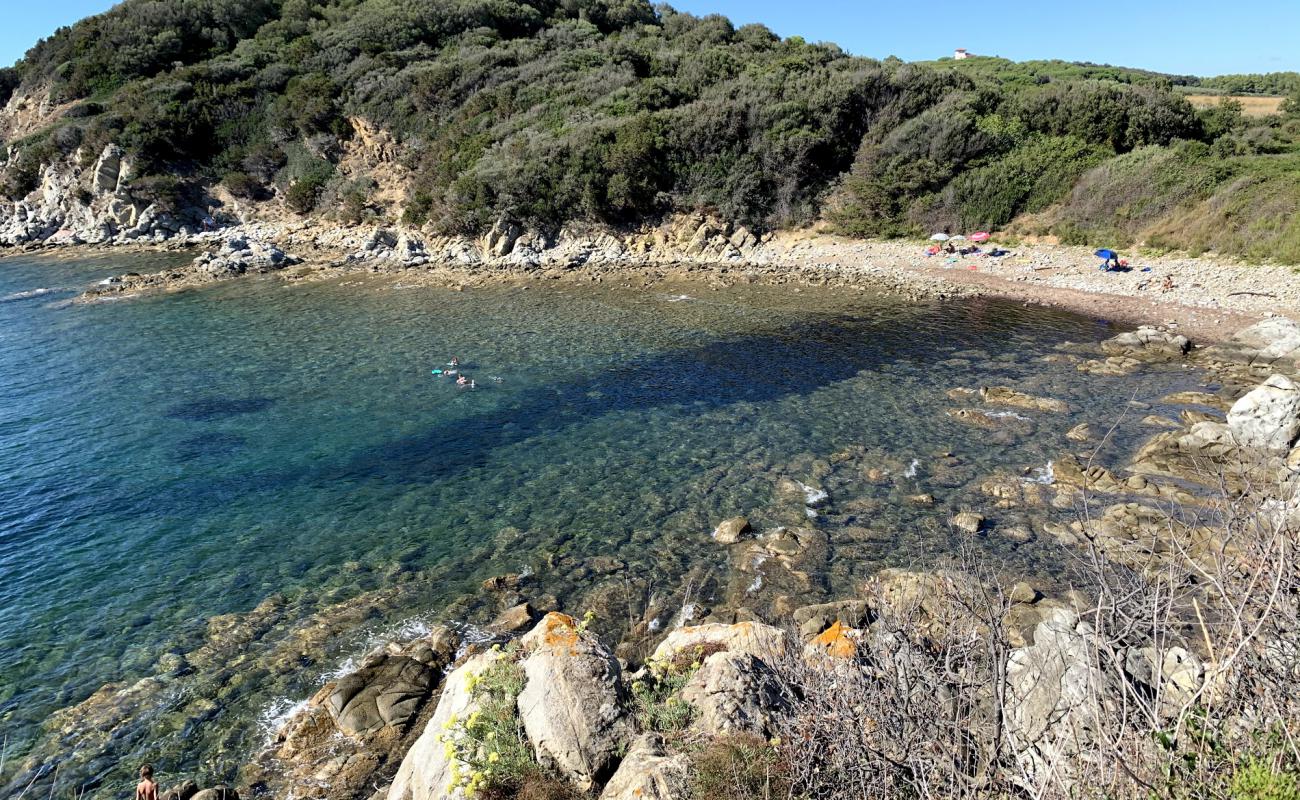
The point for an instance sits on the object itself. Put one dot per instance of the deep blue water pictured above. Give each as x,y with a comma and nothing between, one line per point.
169,458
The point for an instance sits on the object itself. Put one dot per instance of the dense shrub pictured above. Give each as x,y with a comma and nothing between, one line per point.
547,111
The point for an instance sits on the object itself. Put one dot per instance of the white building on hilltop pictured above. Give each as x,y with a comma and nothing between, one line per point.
961,54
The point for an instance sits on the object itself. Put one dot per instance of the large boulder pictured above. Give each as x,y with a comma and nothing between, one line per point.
1052,687
734,693
388,693
730,531
1273,342
1148,343
1172,676
1268,417
573,704
647,772
426,771
759,640
218,792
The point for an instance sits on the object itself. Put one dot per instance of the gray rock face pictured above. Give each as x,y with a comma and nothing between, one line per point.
501,239
572,706
1173,675
240,255
386,694
1273,342
814,619
647,772
1148,343
75,205
1050,686
734,693
219,792
426,770
1268,417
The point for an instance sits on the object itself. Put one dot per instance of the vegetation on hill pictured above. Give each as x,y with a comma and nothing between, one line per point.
547,111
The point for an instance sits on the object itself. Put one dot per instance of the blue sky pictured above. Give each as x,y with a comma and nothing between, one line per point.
1197,37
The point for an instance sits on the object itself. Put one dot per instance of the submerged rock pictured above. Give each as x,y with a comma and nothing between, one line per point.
732,530
968,522
1148,343
1004,396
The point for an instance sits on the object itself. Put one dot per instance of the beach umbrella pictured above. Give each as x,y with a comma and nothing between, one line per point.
1107,254
979,236
939,237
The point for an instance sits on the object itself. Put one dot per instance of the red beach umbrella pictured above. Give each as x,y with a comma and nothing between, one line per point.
979,236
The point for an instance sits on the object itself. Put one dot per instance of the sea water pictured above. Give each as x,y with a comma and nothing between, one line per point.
169,458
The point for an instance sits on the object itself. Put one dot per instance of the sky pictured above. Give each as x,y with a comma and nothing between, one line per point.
1196,37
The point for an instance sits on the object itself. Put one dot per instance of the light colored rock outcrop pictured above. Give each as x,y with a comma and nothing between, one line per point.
426,770
734,693
1267,417
1051,684
647,772
761,641
572,706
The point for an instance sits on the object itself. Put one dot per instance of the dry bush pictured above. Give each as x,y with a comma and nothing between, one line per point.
1179,680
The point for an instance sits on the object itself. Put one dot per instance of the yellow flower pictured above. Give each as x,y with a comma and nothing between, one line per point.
473,717
449,723
491,735
494,757
449,750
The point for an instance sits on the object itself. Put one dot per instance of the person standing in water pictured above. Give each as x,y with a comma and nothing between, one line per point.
146,789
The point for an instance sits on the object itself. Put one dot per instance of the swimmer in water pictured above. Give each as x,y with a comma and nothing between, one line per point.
461,380
455,362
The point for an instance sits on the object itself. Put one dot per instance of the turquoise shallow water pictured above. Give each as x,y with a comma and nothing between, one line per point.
170,458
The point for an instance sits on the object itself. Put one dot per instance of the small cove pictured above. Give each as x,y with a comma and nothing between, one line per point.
175,457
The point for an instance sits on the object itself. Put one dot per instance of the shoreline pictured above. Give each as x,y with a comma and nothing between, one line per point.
1209,301
921,281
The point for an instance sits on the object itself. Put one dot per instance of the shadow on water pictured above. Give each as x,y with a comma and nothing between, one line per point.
210,408
209,445
758,368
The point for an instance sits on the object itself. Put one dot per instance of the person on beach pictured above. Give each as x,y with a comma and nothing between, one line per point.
1168,285
146,789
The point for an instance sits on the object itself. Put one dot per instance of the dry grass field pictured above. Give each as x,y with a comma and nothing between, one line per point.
1251,105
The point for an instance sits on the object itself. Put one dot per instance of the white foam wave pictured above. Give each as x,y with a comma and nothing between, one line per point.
25,295
1044,475
276,715
910,472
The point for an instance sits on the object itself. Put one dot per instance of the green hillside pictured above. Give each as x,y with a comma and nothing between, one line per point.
615,110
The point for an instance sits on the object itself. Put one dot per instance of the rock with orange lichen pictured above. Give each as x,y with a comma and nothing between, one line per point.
573,705
837,641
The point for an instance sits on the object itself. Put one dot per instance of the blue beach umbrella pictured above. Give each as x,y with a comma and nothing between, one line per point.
1106,254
